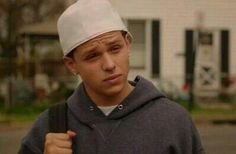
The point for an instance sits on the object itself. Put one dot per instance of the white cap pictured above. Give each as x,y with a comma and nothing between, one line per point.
85,20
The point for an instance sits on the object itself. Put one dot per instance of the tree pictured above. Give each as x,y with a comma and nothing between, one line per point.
16,13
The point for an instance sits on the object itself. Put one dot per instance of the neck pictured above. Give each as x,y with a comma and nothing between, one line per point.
104,100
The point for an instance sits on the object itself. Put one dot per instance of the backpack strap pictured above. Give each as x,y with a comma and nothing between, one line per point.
58,118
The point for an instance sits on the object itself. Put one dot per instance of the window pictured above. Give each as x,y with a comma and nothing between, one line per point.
137,29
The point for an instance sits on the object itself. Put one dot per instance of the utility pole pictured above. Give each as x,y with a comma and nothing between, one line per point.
197,31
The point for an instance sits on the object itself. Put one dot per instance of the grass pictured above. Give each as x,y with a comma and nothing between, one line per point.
23,114
29,113
214,114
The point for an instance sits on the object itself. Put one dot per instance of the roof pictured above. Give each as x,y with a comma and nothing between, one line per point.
44,28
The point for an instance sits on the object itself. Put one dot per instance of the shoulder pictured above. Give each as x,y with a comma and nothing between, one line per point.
178,122
35,138
171,110
41,123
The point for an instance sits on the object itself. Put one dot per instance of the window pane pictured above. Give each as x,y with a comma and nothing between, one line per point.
137,29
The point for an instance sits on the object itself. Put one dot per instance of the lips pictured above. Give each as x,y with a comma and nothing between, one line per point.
112,77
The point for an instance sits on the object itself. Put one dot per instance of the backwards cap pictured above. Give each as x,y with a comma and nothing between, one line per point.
85,20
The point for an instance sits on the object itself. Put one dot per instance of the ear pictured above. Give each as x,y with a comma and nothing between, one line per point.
70,64
128,41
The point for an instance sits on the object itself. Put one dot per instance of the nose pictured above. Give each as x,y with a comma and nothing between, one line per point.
108,63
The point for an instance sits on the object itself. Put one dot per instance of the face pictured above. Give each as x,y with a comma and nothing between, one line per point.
103,64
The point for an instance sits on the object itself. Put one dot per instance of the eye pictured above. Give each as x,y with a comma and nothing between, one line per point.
91,56
115,48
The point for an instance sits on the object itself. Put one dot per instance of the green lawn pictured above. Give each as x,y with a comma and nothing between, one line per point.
24,114
214,115
28,114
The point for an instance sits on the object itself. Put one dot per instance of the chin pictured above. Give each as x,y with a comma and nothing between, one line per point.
113,91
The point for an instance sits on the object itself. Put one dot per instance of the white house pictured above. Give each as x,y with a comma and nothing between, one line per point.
168,32
172,36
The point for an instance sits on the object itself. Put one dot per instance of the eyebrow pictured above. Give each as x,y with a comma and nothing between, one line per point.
114,41
111,42
89,50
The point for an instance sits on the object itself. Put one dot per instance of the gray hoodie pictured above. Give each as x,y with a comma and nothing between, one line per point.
145,122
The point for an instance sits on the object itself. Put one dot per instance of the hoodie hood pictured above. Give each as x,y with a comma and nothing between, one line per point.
86,111
146,122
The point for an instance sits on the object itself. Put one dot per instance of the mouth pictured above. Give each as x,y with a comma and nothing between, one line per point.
112,77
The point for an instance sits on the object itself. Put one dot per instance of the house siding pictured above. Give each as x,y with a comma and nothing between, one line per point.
176,17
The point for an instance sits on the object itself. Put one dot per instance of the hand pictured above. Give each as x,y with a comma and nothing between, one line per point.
59,143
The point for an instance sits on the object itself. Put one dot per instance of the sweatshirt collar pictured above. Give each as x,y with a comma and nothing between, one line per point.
86,111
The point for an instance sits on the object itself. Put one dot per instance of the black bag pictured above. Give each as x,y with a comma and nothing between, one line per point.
57,122
58,118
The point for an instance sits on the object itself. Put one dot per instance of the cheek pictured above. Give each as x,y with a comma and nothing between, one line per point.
124,60
89,74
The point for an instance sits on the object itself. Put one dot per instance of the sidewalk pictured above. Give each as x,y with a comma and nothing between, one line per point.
216,139
10,137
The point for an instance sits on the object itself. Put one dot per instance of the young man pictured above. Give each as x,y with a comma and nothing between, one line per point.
107,113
